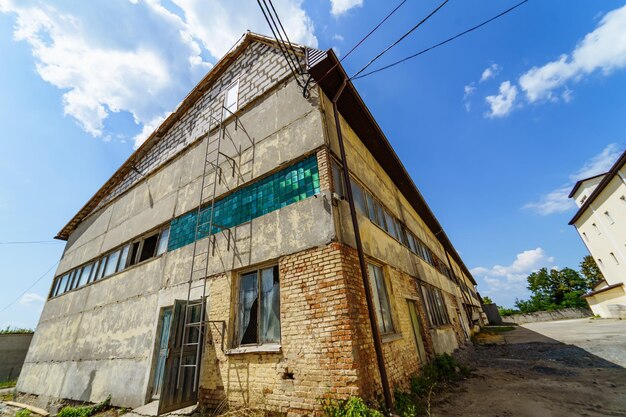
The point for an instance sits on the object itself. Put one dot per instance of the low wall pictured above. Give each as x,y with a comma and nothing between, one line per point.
13,348
566,313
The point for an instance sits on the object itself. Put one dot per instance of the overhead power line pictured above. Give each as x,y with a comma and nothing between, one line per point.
29,288
282,39
423,51
401,38
363,39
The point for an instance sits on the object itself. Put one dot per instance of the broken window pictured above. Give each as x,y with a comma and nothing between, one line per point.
435,306
111,267
148,248
380,297
163,241
258,313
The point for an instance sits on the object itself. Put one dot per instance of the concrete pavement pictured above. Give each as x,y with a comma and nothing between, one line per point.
605,338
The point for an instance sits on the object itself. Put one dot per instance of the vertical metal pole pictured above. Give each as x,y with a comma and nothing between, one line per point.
359,247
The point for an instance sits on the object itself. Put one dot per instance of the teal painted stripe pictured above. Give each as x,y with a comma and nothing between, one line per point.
280,189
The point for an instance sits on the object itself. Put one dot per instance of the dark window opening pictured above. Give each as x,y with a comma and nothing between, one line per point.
149,247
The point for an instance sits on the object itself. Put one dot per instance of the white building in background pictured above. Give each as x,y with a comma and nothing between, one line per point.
601,223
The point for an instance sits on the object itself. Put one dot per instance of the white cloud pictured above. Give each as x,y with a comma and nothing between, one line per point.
604,49
468,91
31,298
339,7
338,37
557,200
145,64
600,163
490,72
502,104
512,277
218,24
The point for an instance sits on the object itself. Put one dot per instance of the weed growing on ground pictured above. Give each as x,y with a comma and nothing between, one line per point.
435,375
7,384
23,413
352,407
85,411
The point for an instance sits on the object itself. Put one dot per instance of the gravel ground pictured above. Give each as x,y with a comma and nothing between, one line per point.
527,373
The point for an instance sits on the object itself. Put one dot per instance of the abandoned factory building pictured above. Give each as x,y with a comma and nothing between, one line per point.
220,264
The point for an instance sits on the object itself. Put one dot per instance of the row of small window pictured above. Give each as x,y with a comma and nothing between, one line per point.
144,248
613,257
378,214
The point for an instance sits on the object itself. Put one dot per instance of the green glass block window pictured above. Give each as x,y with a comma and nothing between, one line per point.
280,189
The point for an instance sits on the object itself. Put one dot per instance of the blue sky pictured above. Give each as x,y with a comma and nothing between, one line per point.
494,127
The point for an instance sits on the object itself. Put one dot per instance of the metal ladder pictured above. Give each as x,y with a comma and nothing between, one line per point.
203,252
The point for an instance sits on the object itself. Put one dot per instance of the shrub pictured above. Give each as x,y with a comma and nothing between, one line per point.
23,413
352,407
443,369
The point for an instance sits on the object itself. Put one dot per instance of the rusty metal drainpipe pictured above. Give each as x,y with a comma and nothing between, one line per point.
359,247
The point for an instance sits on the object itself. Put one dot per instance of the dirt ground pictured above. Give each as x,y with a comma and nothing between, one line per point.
527,372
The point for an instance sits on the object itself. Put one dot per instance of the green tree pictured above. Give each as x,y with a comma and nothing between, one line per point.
554,289
590,271
487,300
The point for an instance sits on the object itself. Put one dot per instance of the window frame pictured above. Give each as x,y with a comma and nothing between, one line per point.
436,306
227,110
100,264
376,299
236,343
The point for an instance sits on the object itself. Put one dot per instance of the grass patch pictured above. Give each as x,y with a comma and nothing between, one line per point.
23,413
85,411
8,384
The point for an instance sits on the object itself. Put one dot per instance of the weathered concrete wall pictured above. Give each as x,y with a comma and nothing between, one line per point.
493,315
380,245
563,314
100,339
13,348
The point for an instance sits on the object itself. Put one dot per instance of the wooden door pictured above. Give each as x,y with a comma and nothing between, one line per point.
179,392
417,331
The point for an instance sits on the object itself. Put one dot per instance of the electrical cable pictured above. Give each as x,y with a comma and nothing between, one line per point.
440,43
362,40
401,38
27,289
285,32
281,43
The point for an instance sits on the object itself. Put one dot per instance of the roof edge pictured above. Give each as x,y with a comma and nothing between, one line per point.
579,183
605,181
323,77
245,40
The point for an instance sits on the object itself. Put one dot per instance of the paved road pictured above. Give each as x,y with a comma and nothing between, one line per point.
605,338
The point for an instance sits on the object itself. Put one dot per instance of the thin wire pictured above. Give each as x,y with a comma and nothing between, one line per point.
285,32
440,43
27,289
401,38
284,50
28,242
362,40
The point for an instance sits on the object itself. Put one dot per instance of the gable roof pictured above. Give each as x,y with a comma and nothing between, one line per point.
214,73
580,182
605,181
329,74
